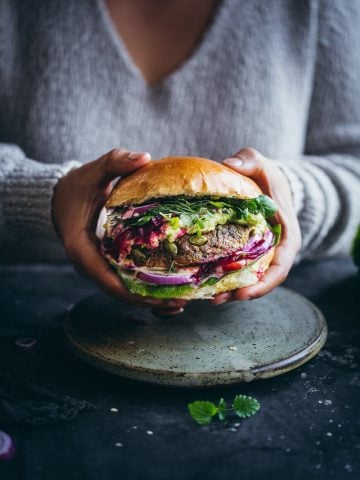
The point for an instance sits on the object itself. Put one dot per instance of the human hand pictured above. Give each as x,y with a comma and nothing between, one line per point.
273,183
77,200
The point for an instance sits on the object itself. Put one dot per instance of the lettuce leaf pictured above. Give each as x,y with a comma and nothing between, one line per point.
276,230
158,291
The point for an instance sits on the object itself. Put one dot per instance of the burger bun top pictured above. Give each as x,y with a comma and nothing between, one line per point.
173,176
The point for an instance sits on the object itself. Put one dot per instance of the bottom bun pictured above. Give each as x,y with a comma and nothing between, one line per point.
248,275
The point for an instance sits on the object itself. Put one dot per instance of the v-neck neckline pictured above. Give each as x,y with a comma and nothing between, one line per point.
118,44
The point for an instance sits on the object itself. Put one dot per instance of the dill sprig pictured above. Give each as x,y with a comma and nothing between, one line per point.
195,207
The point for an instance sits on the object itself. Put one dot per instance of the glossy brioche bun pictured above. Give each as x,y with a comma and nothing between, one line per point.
190,176
248,275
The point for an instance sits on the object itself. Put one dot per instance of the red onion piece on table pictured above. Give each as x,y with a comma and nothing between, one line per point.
26,343
7,446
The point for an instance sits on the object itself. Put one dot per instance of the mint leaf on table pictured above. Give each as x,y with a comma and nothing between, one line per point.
245,406
202,412
222,407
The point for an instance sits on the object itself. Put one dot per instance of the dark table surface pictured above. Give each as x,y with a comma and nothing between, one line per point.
308,426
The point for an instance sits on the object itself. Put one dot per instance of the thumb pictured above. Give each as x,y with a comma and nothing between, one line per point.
119,163
247,161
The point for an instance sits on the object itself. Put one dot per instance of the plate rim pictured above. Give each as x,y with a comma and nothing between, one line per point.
199,379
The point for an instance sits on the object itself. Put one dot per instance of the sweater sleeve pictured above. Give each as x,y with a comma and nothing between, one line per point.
26,189
326,182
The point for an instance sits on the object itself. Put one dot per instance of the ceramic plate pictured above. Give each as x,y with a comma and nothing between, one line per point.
204,346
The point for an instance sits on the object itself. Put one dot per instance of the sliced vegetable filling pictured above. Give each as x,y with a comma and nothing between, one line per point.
183,240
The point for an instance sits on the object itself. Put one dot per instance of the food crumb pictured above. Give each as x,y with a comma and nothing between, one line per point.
134,427
118,444
328,402
328,434
236,425
232,429
113,409
303,375
313,390
233,349
149,432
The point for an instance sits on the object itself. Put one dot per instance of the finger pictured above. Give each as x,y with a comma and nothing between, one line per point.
221,298
85,256
119,163
274,276
246,160
249,162
175,303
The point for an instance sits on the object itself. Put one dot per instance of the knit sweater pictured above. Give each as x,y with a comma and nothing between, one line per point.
282,76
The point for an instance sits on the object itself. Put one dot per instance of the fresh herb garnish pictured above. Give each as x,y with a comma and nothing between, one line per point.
191,210
203,412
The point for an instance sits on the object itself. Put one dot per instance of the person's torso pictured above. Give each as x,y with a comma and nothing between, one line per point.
69,89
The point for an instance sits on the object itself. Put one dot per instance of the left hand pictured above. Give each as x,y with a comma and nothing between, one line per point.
273,183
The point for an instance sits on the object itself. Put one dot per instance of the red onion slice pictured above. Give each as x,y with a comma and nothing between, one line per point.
160,279
26,344
252,242
128,214
7,446
138,210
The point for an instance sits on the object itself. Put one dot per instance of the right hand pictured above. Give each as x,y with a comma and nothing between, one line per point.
77,201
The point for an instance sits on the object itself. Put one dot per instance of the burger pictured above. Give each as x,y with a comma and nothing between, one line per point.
188,227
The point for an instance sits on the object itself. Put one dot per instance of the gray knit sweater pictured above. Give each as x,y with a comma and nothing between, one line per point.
282,76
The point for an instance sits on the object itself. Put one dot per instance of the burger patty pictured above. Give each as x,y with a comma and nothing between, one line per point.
221,242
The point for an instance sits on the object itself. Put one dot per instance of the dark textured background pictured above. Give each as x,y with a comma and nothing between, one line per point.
308,426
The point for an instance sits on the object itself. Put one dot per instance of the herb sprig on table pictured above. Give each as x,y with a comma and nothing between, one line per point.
203,412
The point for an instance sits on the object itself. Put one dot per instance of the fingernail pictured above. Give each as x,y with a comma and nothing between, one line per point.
174,303
136,155
233,162
153,301
222,299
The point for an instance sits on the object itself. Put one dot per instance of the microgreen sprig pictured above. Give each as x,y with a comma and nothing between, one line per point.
203,412
195,208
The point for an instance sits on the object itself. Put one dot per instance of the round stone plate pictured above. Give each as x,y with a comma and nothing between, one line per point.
205,346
